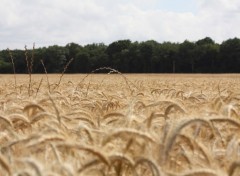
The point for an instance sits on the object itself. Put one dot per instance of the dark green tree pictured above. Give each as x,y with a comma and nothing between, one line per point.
205,41
165,59
97,55
202,56
5,67
81,63
187,57
206,52
147,51
117,53
136,63
54,58
230,55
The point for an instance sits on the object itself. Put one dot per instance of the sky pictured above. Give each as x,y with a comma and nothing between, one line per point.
50,22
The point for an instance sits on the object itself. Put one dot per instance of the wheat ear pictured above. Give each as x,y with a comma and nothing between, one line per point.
153,166
176,131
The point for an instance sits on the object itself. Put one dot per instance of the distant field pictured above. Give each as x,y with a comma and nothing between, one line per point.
120,124
98,77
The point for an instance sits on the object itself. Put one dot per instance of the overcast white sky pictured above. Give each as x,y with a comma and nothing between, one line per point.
49,22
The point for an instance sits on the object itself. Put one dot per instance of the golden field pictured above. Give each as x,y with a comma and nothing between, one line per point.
120,124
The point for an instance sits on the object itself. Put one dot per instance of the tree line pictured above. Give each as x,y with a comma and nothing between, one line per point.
202,56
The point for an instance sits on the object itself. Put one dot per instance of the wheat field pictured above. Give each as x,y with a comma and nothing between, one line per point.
120,125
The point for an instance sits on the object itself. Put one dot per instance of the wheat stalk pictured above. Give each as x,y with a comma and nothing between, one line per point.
45,70
64,70
13,66
5,165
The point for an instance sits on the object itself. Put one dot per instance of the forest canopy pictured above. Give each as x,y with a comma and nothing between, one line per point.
202,56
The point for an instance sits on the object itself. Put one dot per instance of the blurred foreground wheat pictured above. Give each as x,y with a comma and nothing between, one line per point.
120,125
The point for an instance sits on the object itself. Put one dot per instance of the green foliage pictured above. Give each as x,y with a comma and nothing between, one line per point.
54,58
202,56
230,55
4,66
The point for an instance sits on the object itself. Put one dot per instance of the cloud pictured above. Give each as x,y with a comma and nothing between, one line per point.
87,21
220,17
